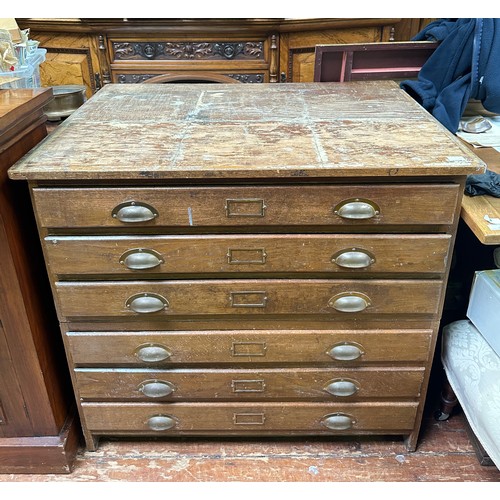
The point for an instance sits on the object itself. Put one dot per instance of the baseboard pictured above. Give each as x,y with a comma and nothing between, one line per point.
42,454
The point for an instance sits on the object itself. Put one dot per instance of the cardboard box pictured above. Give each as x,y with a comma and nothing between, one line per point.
484,306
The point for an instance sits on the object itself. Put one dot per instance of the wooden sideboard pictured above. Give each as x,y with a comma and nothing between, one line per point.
39,429
94,52
249,260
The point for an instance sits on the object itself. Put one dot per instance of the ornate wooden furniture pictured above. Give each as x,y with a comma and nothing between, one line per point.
39,431
95,51
249,260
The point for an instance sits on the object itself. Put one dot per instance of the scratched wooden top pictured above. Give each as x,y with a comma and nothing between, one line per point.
242,131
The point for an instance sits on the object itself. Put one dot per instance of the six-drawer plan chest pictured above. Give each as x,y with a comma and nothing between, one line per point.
233,260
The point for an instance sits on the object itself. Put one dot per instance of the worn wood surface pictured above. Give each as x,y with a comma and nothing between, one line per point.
245,347
407,204
259,418
251,254
473,212
445,454
258,149
285,384
200,298
304,130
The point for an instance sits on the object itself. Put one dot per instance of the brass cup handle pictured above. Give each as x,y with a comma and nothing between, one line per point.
357,209
152,353
161,422
348,351
146,303
342,388
354,258
134,212
156,388
350,302
339,421
139,259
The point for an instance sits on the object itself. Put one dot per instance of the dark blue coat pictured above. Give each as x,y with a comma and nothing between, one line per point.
466,65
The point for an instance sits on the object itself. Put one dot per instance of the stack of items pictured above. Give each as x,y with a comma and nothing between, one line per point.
20,57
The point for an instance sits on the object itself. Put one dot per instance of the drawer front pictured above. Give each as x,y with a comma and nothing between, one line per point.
248,297
342,205
253,418
285,384
203,254
164,349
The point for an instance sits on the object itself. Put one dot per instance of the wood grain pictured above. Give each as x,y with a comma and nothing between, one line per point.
255,254
473,211
222,418
35,399
284,384
113,348
272,163
305,130
474,208
295,205
200,298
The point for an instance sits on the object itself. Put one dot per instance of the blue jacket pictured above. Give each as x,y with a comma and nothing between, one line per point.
466,65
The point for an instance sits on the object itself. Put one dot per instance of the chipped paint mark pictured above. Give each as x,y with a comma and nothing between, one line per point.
458,160
153,465
181,464
313,470
320,150
400,459
200,100
190,216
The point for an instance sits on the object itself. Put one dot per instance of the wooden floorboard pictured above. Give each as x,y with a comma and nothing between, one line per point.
445,453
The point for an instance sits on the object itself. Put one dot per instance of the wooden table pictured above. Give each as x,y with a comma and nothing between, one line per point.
249,260
474,208
39,429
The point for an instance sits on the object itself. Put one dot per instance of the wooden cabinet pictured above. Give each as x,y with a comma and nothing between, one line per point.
39,430
249,260
94,52
298,42
73,58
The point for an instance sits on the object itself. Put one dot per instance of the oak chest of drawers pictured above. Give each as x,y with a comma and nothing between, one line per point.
270,261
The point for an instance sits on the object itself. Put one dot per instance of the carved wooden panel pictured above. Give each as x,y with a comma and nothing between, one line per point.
140,78
186,51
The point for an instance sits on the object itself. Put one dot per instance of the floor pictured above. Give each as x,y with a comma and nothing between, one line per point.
445,453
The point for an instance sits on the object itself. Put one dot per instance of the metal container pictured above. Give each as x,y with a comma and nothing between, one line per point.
67,99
